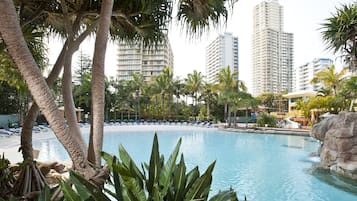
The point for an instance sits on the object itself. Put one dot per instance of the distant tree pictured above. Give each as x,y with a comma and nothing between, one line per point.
208,95
349,90
227,87
84,66
329,78
8,99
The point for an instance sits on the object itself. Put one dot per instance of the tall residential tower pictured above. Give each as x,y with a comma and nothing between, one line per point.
272,50
148,61
222,52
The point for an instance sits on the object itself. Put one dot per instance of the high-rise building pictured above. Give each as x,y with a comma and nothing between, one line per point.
272,50
150,61
305,73
220,53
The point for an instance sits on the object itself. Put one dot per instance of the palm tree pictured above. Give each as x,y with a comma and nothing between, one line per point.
329,78
164,86
194,83
350,90
207,94
340,33
227,86
12,35
98,85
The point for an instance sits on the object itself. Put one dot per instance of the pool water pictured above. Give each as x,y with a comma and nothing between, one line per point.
262,167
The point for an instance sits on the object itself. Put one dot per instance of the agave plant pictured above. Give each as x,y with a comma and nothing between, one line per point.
158,180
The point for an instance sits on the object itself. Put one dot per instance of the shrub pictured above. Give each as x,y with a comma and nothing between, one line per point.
266,119
6,178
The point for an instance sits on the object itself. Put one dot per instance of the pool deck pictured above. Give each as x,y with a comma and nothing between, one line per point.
267,130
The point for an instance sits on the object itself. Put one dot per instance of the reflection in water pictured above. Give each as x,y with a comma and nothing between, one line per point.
192,146
342,183
296,142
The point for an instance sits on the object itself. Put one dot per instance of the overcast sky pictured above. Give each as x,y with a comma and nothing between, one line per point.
301,17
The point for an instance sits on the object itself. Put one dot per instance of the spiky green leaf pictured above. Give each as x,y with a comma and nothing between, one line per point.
168,168
80,182
202,185
228,195
154,166
179,180
68,193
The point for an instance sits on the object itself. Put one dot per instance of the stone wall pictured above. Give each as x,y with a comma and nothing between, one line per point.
338,135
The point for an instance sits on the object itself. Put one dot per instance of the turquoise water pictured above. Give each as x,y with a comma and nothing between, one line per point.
262,167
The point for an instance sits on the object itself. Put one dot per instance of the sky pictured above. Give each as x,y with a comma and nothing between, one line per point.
303,18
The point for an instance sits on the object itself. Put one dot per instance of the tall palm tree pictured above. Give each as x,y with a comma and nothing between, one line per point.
329,78
164,85
228,86
12,35
207,94
194,83
98,85
340,33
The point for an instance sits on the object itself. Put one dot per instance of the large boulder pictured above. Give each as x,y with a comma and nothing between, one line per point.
338,135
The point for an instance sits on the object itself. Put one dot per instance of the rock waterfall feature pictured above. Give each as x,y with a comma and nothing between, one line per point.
338,135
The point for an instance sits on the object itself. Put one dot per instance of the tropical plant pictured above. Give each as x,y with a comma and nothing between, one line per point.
244,100
158,180
208,95
9,103
266,119
228,86
349,90
329,78
339,33
7,178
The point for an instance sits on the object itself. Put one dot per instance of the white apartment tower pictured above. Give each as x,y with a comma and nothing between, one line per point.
222,52
150,61
272,50
305,73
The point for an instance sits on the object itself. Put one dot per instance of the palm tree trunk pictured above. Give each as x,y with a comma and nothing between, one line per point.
235,119
229,116
12,35
69,107
26,132
98,86
208,110
226,112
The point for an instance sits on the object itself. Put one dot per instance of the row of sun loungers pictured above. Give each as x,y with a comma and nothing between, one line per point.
160,122
5,132
44,128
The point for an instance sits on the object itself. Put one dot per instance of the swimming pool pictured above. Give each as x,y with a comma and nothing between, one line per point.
262,167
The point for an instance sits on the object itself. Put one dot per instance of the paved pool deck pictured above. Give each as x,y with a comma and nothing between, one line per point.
268,130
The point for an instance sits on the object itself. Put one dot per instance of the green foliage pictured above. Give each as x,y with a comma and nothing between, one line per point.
339,33
264,118
158,180
6,178
8,99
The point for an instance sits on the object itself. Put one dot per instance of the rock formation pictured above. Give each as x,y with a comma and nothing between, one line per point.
338,135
